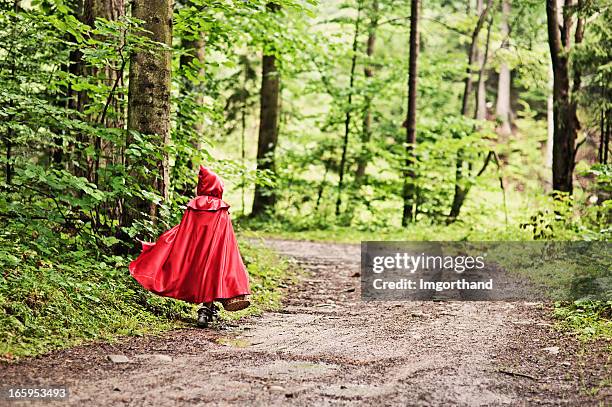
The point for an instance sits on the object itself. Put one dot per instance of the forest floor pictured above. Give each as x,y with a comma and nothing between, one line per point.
326,347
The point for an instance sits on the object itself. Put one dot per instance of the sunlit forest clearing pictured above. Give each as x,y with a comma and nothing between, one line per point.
328,120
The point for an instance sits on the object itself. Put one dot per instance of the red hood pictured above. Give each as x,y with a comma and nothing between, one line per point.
210,192
209,183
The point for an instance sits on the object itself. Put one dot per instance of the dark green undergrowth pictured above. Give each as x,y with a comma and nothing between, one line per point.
54,298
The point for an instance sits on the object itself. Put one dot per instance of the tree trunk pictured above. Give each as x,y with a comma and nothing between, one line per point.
481,96
110,10
195,51
550,120
326,164
566,123
74,66
265,197
461,191
9,156
243,152
368,70
347,119
502,108
481,89
602,135
468,81
149,93
409,189
194,54
607,138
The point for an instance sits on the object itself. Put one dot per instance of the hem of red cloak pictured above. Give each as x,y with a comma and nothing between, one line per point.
206,299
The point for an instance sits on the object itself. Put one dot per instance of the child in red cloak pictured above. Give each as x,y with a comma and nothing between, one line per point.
197,260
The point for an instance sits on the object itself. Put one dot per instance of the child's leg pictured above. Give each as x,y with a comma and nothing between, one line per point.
206,314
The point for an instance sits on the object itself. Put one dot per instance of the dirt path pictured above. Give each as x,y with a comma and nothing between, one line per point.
326,347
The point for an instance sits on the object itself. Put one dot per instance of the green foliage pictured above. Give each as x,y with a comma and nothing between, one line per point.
415,232
560,270
589,319
51,298
597,213
585,216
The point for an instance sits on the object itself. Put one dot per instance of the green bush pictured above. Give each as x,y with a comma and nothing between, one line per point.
52,302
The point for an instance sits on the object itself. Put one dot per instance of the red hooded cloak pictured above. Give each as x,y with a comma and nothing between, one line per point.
197,260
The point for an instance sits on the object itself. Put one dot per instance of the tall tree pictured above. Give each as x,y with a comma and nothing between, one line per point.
481,112
409,189
368,71
502,107
111,10
481,94
109,77
550,119
566,124
606,130
195,55
472,55
189,122
10,134
74,98
460,189
149,92
349,103
265,197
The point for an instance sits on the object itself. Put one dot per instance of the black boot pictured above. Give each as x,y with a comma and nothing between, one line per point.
206,315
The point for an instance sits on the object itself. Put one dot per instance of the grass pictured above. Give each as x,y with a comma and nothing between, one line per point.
417,232
589,320
49,303
268,274
563,271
